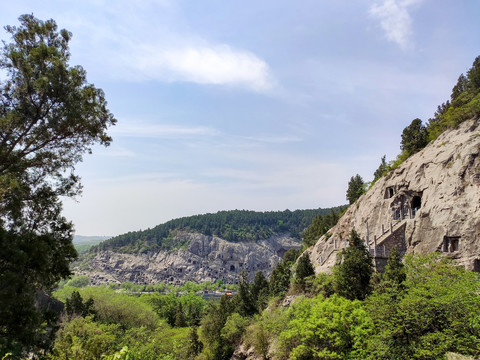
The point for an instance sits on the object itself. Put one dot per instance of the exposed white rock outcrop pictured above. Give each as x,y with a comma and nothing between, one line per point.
206,258
429,203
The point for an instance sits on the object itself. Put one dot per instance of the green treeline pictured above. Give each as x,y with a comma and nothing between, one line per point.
464,103
234,225
321,224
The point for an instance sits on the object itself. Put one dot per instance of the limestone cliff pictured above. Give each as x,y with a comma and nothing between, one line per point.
205,258
429,203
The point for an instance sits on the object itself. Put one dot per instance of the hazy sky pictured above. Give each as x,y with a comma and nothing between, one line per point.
261,105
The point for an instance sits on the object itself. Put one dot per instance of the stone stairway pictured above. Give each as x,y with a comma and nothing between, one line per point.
394,236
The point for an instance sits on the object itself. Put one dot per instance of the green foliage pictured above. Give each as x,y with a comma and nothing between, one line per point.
421,309
356,188
353,273
85,339
414,137
257,337
123,354
303,270
382,169
120,320
78,281
235,225
178,310
280,279
195,346
234,328
436,311
215,345
464,103
290,257
260,291
180,320
318,328
244,300
83,243
49,117
399,160
74,305
395,273
116,308
320,225
323,284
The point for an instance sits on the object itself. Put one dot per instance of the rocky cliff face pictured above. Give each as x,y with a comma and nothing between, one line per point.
429,203
206,258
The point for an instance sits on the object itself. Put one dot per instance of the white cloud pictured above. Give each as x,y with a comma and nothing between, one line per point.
203,64
395,20
160,50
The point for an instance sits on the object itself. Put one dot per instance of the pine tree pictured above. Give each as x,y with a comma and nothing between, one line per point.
49,117
280,279
356,188
194,346
353,273
260,290
304,269
246,303
382,169
414,137
395,273
180,316
74,305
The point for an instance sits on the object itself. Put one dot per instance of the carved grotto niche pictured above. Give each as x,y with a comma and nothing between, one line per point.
451,243
389,192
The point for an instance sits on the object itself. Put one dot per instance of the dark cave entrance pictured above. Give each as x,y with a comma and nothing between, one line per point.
416,204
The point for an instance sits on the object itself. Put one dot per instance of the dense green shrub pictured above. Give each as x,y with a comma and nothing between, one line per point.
116,308
435,311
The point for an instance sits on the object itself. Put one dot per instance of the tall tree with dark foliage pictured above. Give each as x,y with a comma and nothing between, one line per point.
49,117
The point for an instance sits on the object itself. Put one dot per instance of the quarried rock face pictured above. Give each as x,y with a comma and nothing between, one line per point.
429,203
206,258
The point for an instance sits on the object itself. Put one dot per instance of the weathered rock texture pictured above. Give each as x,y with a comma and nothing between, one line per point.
206,258
429,203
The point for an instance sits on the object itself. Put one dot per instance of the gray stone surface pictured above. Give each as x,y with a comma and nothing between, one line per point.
206,258
434,196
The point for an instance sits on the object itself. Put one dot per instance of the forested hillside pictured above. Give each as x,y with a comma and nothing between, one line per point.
234,225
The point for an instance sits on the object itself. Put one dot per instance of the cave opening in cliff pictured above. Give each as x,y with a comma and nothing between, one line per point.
451,243
389,192
476,265
416,204
232,267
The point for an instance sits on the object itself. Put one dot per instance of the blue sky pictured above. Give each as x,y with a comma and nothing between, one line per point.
261,105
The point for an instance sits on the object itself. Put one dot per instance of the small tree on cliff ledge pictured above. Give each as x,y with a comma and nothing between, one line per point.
353,273
303,270
356,187
49,117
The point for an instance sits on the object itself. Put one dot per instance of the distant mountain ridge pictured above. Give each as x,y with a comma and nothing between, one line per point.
232,225
83,243
199,248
